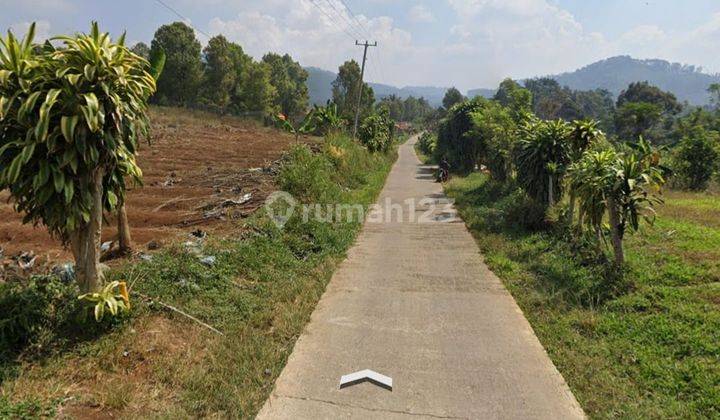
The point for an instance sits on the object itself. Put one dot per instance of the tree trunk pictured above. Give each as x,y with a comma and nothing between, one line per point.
571,210
124,238
616,236
551,196
85,240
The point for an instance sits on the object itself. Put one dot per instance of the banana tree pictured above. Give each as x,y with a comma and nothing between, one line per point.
70,119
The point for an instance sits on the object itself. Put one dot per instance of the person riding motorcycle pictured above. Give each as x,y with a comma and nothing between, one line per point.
443,170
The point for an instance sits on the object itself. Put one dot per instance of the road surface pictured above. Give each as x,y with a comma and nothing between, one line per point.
414,301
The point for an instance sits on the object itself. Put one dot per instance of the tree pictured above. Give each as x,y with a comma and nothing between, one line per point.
714,91
644,92
584,134
290,81
511,95
219,76
625,184
696,159
635,119
142,50
452,97
181,79
345,92
254,93
494,129
541,158
70,119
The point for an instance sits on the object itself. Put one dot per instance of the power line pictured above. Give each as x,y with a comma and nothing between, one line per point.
361,25
342,15
317,6
178,14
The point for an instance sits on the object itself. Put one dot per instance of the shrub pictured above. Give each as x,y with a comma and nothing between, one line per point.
427,143
376,132
695,161
32,310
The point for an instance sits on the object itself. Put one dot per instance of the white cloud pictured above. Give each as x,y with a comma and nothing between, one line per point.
420,13
315,38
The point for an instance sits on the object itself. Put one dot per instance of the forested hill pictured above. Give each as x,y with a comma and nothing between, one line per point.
688,83
320,88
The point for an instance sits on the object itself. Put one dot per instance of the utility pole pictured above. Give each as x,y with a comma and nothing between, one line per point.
360,87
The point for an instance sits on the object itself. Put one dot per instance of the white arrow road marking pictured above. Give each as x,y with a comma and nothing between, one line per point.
366,375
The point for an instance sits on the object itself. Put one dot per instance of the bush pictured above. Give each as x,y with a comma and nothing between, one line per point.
695,161
376,132
28,311
427,143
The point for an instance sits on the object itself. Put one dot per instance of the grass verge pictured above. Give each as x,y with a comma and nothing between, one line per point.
653,351
259,292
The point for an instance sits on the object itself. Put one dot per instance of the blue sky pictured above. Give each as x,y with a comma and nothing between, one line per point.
466,43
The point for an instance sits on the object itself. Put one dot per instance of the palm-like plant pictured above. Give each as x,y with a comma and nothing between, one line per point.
70,119
626,184
541,157
584,134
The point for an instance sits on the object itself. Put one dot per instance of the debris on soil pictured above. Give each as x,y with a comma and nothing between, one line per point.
106,246
153,245
177,181
145,257
65,272
208,261
26,260
198,234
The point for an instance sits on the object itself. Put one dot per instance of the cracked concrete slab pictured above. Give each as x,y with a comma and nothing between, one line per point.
416,302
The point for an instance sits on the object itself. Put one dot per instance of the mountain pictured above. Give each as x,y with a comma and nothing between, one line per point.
485,93
320,88
614,74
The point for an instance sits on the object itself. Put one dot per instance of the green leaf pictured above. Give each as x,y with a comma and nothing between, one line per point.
99,311
28,105
67,125
58,180
112,199
69,191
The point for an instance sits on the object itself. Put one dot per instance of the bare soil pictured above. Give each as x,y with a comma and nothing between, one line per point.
194,163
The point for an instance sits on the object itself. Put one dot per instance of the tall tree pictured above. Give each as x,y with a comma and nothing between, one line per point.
290,81
219,75
142,50
183,68
452,97
345,92
254,92
647,93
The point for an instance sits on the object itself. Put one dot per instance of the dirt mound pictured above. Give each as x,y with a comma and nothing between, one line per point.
200,170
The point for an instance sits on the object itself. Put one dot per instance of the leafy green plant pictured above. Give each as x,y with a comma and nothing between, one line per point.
541,157
302,128
71,118
376,131
696,160
115,301
326,119
625,184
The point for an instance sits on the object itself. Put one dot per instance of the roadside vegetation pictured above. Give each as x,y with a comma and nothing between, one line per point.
194,329
617,274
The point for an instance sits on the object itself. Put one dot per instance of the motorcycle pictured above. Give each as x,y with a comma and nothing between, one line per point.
443,175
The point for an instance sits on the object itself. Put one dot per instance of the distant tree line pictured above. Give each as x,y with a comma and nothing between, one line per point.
689,136
222,77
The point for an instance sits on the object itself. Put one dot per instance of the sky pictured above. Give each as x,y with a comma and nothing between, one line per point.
464,43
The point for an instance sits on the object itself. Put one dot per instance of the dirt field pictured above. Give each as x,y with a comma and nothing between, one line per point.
195,163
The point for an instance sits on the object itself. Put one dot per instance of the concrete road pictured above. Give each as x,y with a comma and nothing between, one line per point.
414,301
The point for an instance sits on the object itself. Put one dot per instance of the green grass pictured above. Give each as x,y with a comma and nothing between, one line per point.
259,293
651,352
